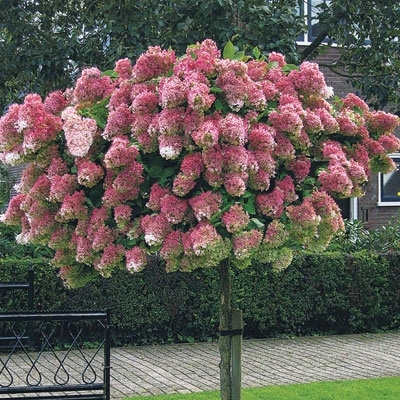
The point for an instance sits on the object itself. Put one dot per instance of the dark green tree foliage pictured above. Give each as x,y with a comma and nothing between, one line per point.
367,33
40,46
44,44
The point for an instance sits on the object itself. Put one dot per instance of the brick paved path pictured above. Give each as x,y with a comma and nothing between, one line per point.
194,367
183,368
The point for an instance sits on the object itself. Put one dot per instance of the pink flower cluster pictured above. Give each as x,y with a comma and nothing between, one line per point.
92,85
197,158
26,129
79,132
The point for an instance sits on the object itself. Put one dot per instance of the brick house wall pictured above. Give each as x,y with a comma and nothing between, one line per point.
339,83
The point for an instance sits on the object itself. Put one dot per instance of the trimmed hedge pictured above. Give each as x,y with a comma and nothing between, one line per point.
50,293
321,294
330,293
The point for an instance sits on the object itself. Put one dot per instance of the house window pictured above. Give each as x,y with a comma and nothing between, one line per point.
389,185
309,11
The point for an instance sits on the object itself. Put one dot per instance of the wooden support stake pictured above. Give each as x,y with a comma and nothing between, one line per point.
237,325
225,340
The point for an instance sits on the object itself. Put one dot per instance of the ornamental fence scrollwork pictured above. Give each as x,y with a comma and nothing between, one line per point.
67,355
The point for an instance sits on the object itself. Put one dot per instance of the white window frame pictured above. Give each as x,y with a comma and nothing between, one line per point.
308,15
353,208
390,201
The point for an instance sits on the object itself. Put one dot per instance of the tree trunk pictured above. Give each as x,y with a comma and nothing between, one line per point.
225,340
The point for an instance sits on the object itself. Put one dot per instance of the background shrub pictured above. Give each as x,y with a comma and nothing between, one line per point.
50,294
332,293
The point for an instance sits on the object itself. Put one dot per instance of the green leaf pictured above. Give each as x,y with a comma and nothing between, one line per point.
358,110
215,89
273,64
219,105
155,171
131,242
98,112
256,53
94,196
229,51
101,120
111,73
257,223
249,206
101,104
240,56
263,114
271,106
166,173
309,180
89,202
289,67
247,195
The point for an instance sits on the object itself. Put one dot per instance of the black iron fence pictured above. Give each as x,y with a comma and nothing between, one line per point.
50,367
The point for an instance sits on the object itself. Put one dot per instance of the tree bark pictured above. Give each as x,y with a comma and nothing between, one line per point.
225,340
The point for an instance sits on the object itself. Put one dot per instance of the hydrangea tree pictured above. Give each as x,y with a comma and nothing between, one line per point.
205,160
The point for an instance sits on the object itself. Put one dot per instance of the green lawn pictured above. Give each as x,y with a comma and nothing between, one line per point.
368,389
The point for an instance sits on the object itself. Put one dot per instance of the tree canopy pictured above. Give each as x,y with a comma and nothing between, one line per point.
201,158
44,45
